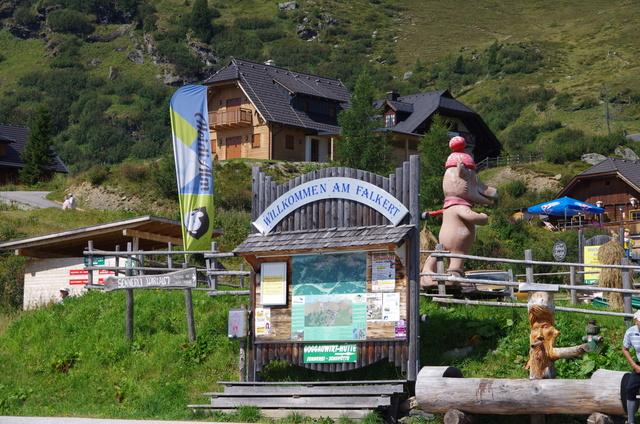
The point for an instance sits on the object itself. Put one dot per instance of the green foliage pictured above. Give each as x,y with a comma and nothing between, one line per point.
69,22
38,156
253,23
98,175
359,146
134,172
434,150
200,20
178,54
235,177
163,174
568,145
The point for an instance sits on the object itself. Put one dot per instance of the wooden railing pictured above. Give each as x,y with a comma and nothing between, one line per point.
487,163
230,118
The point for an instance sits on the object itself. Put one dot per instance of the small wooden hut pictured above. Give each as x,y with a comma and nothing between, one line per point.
335,269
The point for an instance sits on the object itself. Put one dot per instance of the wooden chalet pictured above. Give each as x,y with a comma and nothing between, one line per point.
13,140
335,269
262,111
408,118
613,184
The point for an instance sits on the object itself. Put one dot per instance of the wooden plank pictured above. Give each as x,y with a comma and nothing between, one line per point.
310,383
279,413
386,389
326,402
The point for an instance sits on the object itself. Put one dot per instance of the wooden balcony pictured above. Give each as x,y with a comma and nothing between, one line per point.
230,118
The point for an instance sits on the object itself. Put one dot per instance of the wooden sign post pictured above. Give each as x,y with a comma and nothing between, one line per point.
183,279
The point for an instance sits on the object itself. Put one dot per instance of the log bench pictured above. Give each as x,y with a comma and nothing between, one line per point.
329,399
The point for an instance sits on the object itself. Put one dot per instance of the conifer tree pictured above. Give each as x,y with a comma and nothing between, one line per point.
200,20
362,144
38,156
434,150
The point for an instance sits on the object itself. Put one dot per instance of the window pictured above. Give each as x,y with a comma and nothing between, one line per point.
332,111
213,145
3,149
255,142
288,144
305,106
390,120
634,215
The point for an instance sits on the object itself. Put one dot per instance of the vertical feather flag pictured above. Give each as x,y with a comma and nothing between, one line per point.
194,167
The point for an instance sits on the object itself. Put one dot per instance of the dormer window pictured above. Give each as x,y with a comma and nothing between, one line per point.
390,119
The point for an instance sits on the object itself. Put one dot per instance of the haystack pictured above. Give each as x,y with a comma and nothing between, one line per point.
610,253
427,242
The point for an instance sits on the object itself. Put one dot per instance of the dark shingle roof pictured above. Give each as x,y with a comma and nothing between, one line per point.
628,169
20,136
327,239
267,87
422,106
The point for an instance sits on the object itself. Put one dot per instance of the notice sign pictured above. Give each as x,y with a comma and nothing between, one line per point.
330,353
273,283
174,280
591,274
383,272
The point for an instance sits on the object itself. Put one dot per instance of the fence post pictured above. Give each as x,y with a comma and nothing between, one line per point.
440,270
242,276
572,281
528,256
626,284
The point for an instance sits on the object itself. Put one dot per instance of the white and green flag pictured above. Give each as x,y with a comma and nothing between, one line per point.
194,167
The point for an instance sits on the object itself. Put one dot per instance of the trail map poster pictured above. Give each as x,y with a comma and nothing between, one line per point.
329,297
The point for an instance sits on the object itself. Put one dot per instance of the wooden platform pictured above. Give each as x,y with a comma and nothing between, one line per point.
351,399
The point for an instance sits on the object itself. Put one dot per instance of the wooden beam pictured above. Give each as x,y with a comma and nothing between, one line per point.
151,236
33,253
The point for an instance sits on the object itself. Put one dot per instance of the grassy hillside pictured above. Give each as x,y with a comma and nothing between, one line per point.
73,359
108,90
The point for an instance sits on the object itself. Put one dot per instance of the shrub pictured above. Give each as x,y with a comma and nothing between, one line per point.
134,172
69,22
97,175
253,23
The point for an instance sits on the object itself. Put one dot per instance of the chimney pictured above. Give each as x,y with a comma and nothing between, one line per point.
270,62
392,96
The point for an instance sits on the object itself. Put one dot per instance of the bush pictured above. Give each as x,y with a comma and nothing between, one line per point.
69,22
253,23
134,172
97,175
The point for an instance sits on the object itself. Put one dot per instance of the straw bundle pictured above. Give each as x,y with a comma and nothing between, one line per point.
610,253
427,242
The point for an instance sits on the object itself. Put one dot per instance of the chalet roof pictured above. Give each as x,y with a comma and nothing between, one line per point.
18,136
324,239
628,170
421,107
153,233
267,87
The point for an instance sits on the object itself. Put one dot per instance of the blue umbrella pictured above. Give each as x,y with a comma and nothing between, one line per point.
564,206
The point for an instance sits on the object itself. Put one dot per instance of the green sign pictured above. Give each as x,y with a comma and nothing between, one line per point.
97,260
330,353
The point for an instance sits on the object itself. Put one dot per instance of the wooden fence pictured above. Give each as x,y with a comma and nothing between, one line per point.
487,163
574,270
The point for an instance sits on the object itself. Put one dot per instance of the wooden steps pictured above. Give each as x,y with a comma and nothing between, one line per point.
351,399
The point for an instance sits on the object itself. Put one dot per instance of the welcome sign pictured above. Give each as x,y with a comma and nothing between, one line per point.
331,188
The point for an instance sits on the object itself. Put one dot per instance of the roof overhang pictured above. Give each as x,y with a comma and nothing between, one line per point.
150,232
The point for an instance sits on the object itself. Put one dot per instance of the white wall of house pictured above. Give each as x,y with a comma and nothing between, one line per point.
44,277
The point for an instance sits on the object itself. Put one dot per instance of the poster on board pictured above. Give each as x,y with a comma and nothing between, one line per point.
273,283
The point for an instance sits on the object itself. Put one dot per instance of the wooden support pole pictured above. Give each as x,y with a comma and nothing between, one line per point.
442,290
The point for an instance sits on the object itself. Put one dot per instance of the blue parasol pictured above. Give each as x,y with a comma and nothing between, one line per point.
564,206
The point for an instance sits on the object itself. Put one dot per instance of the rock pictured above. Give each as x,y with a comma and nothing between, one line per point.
136,56
626,153
593,158
305,33
407,75
290,5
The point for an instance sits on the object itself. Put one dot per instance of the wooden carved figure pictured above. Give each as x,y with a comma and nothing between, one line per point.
543,352
462,191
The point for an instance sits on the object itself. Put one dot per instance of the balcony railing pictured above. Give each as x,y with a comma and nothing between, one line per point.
230,118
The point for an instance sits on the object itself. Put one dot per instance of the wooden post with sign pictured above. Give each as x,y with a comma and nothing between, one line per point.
183,279
335,269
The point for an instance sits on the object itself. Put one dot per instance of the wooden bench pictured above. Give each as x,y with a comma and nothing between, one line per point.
331,399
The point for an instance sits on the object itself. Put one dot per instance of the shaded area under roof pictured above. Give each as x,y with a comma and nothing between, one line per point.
323,239
153,233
